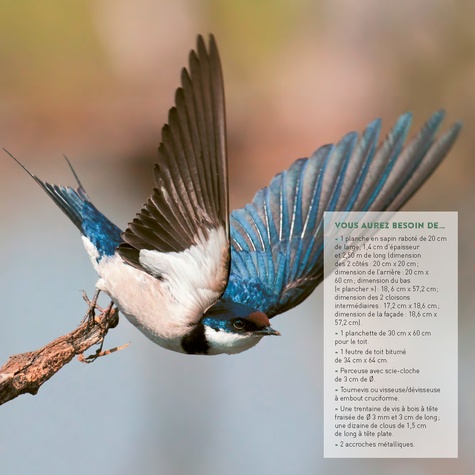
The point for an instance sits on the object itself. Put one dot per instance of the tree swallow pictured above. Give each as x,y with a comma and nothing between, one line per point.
198,280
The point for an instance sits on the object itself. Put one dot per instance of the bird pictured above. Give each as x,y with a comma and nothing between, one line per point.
198,279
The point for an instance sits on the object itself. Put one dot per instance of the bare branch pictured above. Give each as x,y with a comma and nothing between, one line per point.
25,373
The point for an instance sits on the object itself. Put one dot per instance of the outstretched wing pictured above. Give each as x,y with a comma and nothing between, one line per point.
277,240
187,213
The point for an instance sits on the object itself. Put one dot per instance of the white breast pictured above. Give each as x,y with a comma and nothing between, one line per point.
166,309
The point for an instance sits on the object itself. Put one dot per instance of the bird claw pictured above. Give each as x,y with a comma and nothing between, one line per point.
90,316
109,320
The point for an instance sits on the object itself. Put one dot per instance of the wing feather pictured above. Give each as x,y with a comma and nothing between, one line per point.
190,197
277,240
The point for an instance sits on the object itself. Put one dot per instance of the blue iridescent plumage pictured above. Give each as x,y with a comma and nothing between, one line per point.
77,206
277,240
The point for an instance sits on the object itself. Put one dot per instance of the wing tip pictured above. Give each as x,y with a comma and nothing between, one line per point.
403,124
456,128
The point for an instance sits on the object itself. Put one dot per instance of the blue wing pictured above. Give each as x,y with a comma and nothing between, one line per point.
277,240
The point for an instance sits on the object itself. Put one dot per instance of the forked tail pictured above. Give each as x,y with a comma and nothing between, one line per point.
77,206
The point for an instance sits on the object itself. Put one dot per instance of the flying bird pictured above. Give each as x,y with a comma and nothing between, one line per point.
196,279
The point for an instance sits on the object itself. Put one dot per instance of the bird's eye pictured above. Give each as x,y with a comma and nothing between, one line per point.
239,324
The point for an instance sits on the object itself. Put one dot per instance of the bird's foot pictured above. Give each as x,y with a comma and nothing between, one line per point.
90,316
108,318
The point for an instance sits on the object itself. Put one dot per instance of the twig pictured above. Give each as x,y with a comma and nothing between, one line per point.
25,373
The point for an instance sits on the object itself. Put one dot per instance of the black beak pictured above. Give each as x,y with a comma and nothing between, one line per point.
266,331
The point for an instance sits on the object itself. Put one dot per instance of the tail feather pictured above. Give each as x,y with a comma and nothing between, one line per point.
77,206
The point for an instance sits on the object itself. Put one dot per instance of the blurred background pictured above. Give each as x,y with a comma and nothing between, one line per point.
94,80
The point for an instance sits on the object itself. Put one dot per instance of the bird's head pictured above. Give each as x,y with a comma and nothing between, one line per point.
228,327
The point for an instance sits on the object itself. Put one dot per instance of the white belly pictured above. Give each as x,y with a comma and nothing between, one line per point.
164,310
145,301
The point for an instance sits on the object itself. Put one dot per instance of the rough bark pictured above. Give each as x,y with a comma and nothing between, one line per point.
26,372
